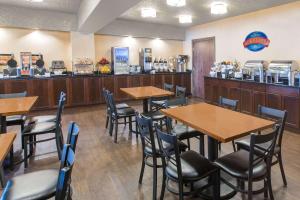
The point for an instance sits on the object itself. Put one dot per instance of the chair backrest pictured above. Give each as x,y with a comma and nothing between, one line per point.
180,91
73,132
13,95
104,94
168,87
60,108
169,147
228,103
275,114
64,177
112,104
267,150
145,129
177,101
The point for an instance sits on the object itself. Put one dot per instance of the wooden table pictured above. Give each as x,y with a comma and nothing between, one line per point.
6,144
219,124
144,93
15,106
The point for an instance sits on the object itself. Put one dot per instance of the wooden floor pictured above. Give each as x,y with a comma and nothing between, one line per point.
108,171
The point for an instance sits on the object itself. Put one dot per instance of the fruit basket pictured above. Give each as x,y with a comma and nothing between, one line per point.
104,67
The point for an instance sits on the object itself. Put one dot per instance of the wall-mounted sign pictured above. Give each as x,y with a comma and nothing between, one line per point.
256,41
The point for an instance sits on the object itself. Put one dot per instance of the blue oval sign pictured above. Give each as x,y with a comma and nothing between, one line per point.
256,41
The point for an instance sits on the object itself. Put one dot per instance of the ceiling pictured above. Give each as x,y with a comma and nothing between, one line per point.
68,6
199,9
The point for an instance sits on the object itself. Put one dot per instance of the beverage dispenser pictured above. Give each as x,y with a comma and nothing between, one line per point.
145,59
120,60
182,61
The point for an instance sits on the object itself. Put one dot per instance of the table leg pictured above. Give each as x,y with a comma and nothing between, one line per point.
2,177
212,146
3,124
145,105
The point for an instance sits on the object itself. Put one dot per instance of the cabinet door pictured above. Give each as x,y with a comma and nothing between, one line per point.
158,80
259,98
41,88
147,80
59,85
188,83
77,92
178,80
291,104
16,86
120,82
246,101
135,81
93,90
207,91
168,79
274,101
235,93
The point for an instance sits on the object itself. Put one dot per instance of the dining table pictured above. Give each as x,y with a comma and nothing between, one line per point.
6,144
145,93
15,106
220,125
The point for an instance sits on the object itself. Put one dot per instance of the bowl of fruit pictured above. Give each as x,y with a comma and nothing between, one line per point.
104,66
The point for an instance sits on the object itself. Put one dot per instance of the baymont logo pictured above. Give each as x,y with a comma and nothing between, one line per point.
256,41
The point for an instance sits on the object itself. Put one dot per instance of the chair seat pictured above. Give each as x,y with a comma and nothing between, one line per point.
184,132
122,105
155,115
148,149
43,118
237,164
40,128
125,112
193,166
159,102
14,118
245,144
35,185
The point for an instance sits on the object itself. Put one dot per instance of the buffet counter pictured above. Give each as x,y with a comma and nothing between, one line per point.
85,89
251,94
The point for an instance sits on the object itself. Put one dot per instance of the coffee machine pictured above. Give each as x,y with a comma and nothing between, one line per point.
182,61
145,59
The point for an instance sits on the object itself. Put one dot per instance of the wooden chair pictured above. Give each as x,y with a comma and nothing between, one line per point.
230,104
157,103
280,117
43,184
34,129
185,168
247,166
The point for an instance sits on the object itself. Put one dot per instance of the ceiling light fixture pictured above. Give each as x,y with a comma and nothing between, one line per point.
176,3
35,1
218,8
148,12
185,19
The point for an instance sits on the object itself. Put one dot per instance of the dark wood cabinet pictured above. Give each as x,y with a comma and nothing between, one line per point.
40,88
59,85
158,80
77,93
93,90
121,81
250,95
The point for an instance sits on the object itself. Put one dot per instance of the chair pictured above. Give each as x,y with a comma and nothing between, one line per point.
245,165
230,104
43,184
34,129
180,91
119,106
182,131
280,116
150,148
73,132
117,114
15,120
156,103
185,168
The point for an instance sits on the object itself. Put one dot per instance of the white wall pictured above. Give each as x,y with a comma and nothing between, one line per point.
160,48
281,24
53,45
83,46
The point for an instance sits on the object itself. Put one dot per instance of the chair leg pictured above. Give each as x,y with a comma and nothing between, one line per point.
142,170
282,169
111,126
130,126
154,178
163,187
233,145
189,144
180,186
136,130
25,151
22,131
107,120
201,145
270,185
116,130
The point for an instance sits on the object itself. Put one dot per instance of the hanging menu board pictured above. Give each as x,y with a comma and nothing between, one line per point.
4,58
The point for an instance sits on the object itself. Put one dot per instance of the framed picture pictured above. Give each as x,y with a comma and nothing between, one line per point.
4,58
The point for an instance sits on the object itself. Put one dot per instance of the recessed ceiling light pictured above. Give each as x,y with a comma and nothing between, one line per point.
148,12
35,1
185,19
218,8
176,3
